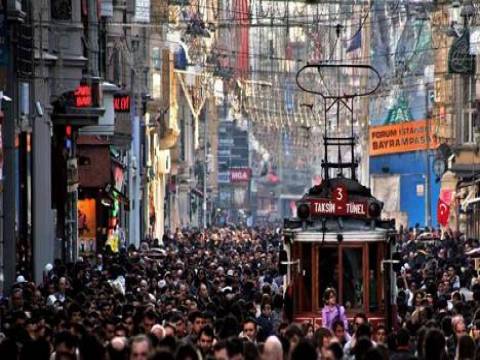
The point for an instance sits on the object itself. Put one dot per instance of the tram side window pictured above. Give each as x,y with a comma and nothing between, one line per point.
352,278
307,276
327,271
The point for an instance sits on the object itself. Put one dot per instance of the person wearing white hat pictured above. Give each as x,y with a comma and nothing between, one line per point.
162,283
46,271
20,279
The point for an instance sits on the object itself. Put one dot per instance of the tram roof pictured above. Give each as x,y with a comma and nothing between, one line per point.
375,235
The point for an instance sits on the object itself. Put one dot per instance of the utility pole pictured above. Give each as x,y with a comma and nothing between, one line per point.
428,216
205,166
364,102
9,134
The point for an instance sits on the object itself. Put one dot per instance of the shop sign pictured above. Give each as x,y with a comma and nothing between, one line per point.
121,103
328,207
87,224
118,177
83,96
460,60
402,137
240,174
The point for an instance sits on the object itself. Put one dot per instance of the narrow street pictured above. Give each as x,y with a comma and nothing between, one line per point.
239,179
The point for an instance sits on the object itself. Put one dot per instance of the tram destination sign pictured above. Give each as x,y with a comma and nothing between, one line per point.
328,207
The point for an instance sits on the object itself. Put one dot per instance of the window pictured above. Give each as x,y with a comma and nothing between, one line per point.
373,280
467,130
306,268
328,271
156,59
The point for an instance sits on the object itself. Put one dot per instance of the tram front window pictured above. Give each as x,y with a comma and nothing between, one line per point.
352,278
327,271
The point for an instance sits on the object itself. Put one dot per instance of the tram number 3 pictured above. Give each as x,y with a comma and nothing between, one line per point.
340,197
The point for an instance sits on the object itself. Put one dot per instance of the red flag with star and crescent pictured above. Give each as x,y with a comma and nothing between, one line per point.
443,212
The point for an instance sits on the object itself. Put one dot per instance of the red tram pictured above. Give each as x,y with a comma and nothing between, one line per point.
338,238
340,244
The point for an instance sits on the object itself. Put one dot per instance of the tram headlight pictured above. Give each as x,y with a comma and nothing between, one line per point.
374,209
303,211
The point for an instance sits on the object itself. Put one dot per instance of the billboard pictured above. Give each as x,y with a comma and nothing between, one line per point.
401,137
87,224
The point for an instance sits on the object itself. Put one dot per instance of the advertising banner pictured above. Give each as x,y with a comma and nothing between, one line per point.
87,224
401,137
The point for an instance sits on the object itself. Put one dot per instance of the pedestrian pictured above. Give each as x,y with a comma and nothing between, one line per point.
332,311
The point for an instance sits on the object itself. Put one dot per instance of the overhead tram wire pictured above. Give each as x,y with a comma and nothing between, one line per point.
231,21
377,95
279,58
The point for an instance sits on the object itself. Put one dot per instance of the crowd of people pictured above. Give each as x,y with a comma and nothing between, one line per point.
218,294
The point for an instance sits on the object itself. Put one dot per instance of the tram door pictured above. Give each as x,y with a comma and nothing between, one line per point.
341,267
352,269
345,267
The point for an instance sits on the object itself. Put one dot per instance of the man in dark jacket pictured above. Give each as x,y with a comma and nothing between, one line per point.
265,322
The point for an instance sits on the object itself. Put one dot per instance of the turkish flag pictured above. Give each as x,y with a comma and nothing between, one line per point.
443,212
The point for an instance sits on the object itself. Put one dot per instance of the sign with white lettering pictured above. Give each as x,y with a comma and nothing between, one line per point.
340,197
327,207
240,174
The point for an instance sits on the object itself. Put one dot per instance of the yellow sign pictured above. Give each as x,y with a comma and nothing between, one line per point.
402,137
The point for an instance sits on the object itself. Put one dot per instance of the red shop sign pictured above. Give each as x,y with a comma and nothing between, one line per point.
121,103
83,96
